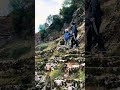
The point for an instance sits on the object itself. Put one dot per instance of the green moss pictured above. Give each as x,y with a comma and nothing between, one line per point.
42,46
39,59
82,75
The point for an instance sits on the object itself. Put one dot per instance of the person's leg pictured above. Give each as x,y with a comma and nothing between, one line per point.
89,40
65,42
76,41
72,42
98,38
69,43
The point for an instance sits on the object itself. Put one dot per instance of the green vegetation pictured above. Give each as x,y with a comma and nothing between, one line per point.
22,19
82,75
69,8
57,23
42,46
67,13
55,74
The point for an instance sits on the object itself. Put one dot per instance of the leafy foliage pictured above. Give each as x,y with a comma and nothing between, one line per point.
22,18
67,3
57,23
43,32
67,13
49,20
69,8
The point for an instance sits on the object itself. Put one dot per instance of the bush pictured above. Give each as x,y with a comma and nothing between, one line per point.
22,18
67,13
57,23
42,46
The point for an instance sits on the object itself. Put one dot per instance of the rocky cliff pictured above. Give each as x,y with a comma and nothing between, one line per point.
17,54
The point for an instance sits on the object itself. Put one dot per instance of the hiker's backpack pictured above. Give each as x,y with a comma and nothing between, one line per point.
74,29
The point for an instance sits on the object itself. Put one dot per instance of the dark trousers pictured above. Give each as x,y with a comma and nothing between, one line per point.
91,33
74,42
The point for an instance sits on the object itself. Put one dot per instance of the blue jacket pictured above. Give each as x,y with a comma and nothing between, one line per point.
67,35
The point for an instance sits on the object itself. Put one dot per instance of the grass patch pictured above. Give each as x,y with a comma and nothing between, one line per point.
51,45
42,46
55,74
39,59
82,75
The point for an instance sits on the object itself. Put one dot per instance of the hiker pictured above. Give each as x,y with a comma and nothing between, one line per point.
67,36
92,20
74,40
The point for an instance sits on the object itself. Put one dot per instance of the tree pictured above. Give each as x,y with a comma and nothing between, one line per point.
19,4
49,20
43,32
67,13
69,7
22,17
57,23
67,3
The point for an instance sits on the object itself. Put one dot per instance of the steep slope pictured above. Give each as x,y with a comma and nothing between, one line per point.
110,26
65,64
103,72
17,54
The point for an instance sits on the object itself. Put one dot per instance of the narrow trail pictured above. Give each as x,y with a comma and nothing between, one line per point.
72,61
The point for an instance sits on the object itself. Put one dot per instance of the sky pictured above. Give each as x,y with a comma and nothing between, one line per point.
43,8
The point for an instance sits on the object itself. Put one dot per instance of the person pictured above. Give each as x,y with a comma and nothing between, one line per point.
67,36
92,20
74,35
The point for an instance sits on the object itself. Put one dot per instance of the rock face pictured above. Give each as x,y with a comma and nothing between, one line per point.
16,58
37,38
110,26
102,72
6,29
